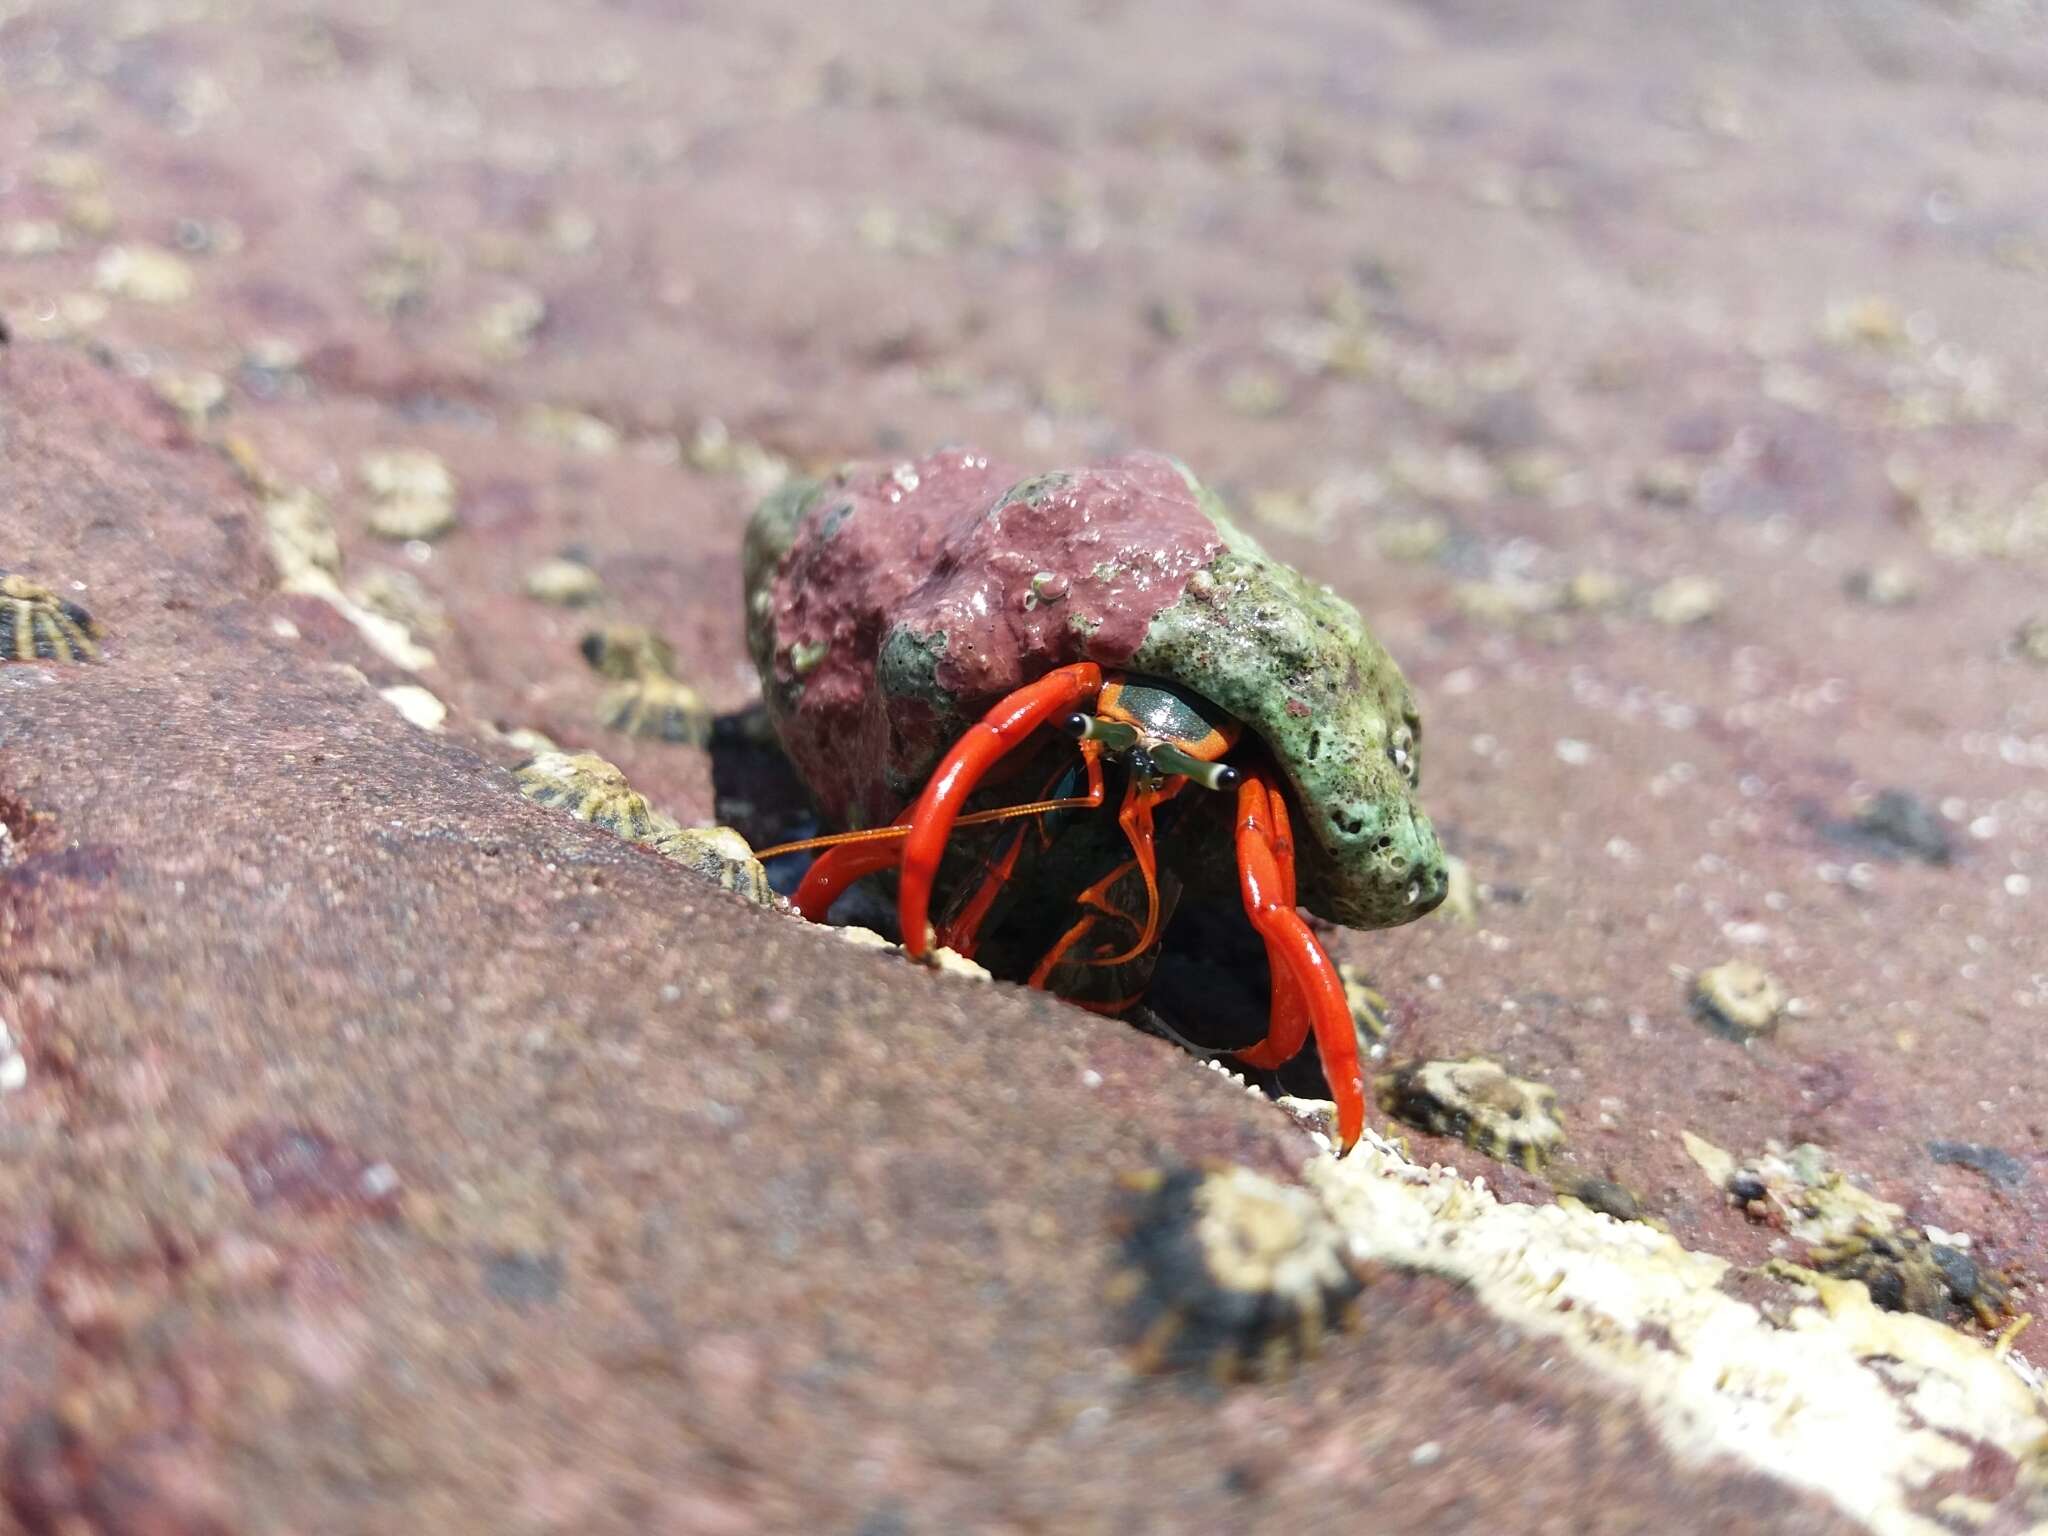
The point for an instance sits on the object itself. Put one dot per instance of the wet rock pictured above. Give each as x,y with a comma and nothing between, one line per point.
1738,1000
1478,1102
1229,1272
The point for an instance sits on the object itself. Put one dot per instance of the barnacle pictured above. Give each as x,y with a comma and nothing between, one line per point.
38,625
1853,1235
414,493
657,707
721,856
592,790
648,699
1905,1271
1368,1007
628,652
1229,1271
1738,1000
1477,1102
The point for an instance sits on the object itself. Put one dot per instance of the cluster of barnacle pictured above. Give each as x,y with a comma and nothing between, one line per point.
593,790
1852,1235
646,698
38,625
1476,1101
1230,1272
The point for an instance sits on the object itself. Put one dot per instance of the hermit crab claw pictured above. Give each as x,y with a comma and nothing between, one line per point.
999,732
1307,992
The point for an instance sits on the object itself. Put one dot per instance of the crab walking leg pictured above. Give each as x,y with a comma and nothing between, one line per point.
963,934
1297,953
1287,1029
837,868
1000,731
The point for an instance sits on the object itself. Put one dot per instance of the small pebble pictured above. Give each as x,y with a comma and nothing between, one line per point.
195,395
567,583
1891,585
405,518
392,472
506,330
146,274
1686,600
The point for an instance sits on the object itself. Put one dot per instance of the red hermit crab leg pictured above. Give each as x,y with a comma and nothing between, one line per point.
962,933
1268,888
1287,1030
997,733
838,868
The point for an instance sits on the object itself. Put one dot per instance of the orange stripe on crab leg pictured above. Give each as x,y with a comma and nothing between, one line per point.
985,743
1297,954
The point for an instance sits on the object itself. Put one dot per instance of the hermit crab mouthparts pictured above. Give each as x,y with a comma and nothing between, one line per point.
1149,758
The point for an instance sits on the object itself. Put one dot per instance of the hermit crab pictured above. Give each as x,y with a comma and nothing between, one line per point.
1059,705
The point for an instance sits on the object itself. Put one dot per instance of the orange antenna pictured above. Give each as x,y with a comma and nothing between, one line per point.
902,829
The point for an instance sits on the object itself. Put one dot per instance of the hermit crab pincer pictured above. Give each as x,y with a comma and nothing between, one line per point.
969,667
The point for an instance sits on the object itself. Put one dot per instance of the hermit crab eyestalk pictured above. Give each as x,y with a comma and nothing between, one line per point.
1116,737
1216,776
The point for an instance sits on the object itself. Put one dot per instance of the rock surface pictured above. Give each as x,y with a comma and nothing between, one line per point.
396,1153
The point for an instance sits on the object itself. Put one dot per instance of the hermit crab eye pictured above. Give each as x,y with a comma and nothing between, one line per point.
1218,776
1076,726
